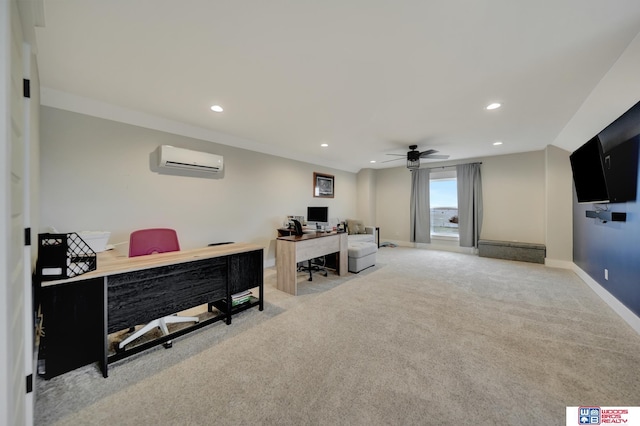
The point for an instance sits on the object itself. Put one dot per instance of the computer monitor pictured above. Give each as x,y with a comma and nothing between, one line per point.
318,214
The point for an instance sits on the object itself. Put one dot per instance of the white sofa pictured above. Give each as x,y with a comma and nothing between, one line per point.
362,246
368,237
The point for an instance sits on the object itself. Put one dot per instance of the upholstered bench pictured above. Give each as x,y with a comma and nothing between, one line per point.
361,255
512,250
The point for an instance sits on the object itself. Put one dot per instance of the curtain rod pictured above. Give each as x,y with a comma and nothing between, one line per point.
446,167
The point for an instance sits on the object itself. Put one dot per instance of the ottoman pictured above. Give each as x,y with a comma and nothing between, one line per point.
361,255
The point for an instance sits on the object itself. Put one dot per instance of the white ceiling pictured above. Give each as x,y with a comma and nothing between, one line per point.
368,77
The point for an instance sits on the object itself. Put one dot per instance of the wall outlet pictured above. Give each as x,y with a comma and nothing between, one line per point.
606,274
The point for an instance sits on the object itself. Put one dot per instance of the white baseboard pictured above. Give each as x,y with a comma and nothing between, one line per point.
625,313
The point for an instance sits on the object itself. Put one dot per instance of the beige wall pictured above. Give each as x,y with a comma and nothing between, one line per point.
393,192
366,188
95,175
513,193
559,206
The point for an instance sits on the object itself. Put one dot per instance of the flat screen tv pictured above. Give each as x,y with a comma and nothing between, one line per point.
588,173
606,177
318,214
621,171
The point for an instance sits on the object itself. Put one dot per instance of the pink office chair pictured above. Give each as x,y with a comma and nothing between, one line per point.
149,241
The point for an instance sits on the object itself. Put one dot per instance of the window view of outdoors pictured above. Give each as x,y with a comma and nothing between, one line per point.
444,206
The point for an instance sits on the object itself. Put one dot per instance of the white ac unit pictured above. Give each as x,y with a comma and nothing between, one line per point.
171,157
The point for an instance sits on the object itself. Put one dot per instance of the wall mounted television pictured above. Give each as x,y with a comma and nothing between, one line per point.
318,214
588,173
605,177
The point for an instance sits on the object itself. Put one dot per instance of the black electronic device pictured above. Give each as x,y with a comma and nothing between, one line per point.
605,177
621,171
588,173
318,214
607,216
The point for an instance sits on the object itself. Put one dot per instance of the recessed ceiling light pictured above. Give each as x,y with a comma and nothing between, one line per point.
324,145
372,161
497,143
494,105
216,108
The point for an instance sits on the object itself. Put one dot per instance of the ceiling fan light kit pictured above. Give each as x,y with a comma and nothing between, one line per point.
413,164
414,156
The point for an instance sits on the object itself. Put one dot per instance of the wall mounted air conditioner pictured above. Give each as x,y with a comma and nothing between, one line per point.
171,157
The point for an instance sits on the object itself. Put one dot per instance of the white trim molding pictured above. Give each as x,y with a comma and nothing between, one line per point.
625,313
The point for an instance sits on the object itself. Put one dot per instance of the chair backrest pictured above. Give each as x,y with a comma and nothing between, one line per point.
297,226
154,240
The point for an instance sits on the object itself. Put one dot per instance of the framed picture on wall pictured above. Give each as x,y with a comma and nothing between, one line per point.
323,185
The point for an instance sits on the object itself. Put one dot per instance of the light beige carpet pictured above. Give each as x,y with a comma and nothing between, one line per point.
425,337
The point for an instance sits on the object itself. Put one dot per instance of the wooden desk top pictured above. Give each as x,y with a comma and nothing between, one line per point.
309,236
111,263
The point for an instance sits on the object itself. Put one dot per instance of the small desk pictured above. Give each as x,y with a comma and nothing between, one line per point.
293,249
80,312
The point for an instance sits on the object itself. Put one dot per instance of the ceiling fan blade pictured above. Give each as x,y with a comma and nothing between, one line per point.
414,155
427,153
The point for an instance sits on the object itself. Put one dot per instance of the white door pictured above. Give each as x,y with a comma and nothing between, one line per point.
13,410
28,324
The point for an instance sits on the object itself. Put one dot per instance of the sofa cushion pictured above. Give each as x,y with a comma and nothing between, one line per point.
361,249
370,238
355,227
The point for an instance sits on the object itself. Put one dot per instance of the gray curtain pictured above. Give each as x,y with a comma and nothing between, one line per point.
420,209
469,204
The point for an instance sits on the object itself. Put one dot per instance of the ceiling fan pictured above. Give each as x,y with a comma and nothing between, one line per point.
414,156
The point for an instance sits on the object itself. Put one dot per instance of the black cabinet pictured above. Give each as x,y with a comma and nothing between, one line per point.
245,271
73,317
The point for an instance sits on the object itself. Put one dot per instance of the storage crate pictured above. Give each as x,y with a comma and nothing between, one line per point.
62,256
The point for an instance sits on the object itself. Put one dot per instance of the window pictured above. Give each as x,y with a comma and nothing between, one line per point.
443,199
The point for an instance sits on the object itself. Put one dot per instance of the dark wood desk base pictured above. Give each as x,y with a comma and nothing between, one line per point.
79,314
